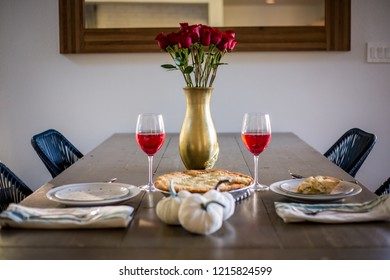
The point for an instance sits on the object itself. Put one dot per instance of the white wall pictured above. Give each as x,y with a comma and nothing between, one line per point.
317,95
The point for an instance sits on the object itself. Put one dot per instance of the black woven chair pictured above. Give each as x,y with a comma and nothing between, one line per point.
350,151
384,188
12,189
56,152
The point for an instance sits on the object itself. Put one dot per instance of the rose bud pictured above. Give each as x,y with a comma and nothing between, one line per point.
185,40
194,32
173,38
216,36
162,41
183,26
205,36
231,45
230,33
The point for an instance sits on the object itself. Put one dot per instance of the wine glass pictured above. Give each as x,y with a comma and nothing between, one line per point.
256,135
150,135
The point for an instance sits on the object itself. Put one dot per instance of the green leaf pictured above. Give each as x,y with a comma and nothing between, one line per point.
178,60
188,70
169,66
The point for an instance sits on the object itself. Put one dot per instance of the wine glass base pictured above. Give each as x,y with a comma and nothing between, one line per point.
148,188
260,187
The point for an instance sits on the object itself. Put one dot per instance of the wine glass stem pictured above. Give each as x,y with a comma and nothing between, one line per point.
256,161
150,184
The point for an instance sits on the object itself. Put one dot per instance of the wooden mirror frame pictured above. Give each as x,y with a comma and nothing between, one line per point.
334,36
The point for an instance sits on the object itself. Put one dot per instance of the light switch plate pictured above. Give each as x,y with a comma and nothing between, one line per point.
378,52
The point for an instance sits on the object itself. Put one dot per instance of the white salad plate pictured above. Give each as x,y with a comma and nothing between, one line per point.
288,188
87,194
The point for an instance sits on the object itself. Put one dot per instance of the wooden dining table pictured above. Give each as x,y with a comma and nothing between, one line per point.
255,231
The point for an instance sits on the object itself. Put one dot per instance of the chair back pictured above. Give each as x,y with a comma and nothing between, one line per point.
384,188
55,151
351,149
12,189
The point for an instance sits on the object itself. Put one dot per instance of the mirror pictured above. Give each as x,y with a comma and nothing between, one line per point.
80,34
216,13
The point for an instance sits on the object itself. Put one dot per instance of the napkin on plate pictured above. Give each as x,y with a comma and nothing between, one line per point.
374,210
65,218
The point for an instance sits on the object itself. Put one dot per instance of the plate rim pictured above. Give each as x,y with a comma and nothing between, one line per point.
133,191
275,187
85,184
237,194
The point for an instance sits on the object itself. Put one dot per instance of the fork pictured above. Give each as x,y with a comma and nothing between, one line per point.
313,212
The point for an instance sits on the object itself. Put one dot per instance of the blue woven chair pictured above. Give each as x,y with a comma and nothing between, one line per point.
12,189
56,152
351,150
384,188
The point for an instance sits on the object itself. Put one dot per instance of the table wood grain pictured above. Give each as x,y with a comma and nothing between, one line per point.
253,232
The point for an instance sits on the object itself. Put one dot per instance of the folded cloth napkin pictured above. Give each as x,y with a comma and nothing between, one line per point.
65,218
374,210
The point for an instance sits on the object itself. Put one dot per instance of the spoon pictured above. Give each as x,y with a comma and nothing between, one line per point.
222,182
112,180
295,176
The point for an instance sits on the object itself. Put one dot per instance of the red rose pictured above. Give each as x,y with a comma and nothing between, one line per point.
222,45
162,41
232,44
230,33
205,35
173,38
216,36
194,32
183,26
227,42
185,40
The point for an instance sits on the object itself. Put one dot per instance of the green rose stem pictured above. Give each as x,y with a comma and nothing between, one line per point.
184,68
206,70
199,64
207,67
215,68
179,63
196,63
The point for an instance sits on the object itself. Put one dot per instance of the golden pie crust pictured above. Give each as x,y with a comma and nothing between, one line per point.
201,181
318,185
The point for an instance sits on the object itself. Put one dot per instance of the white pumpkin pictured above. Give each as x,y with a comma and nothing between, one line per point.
224,198
167,209
200,215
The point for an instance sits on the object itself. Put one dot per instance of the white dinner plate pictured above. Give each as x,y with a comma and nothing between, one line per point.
87,194
288,188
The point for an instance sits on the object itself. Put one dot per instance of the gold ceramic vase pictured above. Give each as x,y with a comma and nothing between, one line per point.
198,143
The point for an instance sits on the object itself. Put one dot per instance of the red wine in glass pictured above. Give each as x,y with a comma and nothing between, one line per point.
256,135
150,143
150,135
256,143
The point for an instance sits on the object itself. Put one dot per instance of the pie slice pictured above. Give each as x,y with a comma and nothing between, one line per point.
318,185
